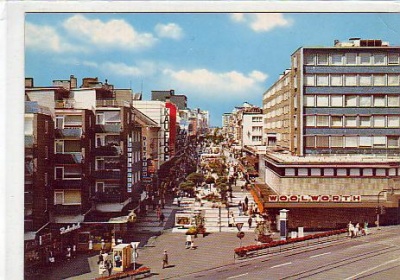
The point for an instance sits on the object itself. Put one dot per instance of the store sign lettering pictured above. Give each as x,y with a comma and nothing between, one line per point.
314,198
67,229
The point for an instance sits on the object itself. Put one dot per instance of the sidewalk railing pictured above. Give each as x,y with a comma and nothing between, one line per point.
289,244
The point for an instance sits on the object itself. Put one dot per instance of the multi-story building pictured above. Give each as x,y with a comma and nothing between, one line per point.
179,100
252,131
334,117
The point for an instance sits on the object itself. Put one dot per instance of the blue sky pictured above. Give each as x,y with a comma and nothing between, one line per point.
217,60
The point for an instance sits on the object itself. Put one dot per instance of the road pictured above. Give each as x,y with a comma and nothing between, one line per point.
376,256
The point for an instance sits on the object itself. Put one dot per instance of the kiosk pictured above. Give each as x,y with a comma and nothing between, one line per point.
122,257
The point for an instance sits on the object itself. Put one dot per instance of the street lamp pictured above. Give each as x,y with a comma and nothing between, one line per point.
378,210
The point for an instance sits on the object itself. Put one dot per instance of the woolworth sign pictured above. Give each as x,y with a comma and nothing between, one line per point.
314,198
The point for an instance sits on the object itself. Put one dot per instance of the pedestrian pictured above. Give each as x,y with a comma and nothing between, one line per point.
179,201
188,241
162,217
250,221
165,259
100,259
246,201
109,267
350,229
74,250
192,247
357,230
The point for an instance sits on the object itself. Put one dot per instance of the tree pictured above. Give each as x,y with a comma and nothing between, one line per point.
210,180
188,187
197,178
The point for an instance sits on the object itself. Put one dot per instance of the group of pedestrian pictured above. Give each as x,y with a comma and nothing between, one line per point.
105,263
357,230
160,214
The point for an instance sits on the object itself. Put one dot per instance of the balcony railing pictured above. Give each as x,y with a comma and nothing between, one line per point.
69,158
69,133
108,151
67,103
111,103
68,184
107,174
108,128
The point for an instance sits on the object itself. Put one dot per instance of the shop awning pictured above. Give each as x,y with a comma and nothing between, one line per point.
123,219
68,219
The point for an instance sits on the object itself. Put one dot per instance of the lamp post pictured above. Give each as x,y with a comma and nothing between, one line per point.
378,211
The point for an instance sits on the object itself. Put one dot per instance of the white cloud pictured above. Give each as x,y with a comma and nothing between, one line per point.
170,30
115,33
213,84
262,22
42,37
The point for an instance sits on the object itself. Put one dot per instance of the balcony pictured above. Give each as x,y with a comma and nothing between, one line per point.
67,103
107,174
111,103
108,128
109,150
69,133
68,184
70,158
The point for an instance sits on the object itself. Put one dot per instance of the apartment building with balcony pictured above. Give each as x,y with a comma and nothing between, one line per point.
333,130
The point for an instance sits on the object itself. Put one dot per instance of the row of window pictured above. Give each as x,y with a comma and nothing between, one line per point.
256,119
277,87
325,141
277,124
352,58
342,172
372,121
336,80
335,100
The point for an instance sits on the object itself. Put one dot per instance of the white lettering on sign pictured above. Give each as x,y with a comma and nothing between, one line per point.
314,198
67,229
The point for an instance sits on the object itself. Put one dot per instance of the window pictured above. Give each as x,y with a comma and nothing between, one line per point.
71,146
365,80
365,58
379,142
336,121
350,121
365,101
309,80
379,101
379,80
59,147
365,141
350,100
336,59
393,101
365,121
100,164
46,126
379,59
380,172
393,80
315,171
336,80
367,172
99,187
322,80
341,172
310,142
309,59
59,173
322,141
350,141
100,119
379,121
302,172
309,100
354,171
393,121
393,58
336,141
336,101
58,197
322,59
322,100
393,141
290,172
351,58
60,122
350,80
72,197
329,172
323,121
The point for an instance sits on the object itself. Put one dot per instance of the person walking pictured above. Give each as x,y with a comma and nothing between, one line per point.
162,217
246,200
250,221
165,259
109,266
188,241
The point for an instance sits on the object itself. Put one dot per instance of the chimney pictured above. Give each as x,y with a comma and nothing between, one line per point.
28,82
73,81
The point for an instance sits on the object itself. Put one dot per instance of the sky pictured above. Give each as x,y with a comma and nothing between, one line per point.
218,60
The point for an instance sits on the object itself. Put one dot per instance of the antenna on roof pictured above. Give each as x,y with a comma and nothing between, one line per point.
141,87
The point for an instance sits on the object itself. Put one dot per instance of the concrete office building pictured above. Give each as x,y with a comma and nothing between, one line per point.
332,125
